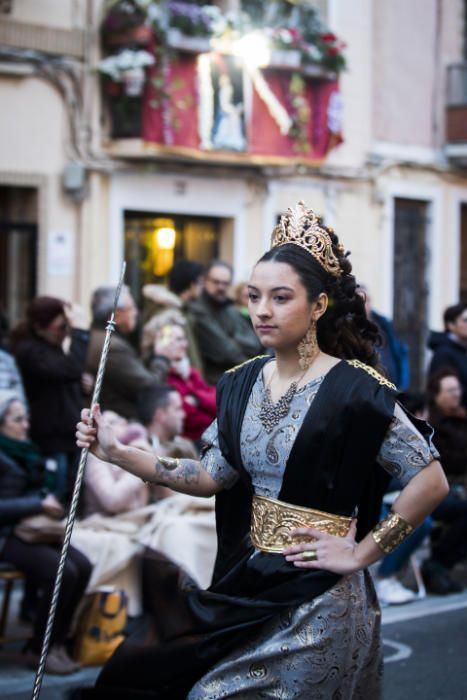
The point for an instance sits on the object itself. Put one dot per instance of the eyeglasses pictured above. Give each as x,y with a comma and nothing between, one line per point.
219,283
19,419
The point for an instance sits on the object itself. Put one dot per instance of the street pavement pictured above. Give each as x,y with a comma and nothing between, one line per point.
424,648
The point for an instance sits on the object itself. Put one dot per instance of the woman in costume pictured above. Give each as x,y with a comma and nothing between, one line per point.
299,457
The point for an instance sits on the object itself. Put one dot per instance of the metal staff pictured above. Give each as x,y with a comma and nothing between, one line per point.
74,501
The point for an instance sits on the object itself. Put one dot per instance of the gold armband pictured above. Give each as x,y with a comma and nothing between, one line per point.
390,532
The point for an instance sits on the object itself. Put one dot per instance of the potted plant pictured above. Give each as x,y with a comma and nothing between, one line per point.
286,43
127,67
191,26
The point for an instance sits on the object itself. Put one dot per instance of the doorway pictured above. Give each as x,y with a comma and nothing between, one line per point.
463,255
411,257
18,250
154,241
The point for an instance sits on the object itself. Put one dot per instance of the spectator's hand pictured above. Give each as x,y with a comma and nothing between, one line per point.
100,440
75,316
51,506
87,383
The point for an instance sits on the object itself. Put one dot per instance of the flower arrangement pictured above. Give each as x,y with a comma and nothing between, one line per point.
284,38
325,50
128,67
193,20
287,26
118,64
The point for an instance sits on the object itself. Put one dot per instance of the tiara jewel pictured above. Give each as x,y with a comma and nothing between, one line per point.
301,226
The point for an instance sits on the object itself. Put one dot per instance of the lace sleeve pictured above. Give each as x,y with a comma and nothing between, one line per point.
405,451
213,461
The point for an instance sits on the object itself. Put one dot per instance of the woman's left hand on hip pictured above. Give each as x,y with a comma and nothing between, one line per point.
323,551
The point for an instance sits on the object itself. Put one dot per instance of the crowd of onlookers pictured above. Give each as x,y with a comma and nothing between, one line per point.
444,404
160,396
159,392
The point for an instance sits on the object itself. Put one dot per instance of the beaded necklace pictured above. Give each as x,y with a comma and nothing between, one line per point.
272,413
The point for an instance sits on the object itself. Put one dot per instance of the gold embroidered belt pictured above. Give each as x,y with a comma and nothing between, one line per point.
272,522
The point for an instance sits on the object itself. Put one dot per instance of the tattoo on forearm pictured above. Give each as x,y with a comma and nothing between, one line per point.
187,472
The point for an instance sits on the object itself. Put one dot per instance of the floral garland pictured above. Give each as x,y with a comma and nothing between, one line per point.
275,108
302,109
206,102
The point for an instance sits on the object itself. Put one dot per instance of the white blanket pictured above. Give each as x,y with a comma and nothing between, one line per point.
181,527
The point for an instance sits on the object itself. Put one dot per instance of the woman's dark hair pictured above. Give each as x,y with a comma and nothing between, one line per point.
435,379
39,313
344,330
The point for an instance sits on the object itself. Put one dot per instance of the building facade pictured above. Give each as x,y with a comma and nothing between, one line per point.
76,197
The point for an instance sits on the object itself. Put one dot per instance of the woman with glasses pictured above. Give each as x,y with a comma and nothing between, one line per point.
23,494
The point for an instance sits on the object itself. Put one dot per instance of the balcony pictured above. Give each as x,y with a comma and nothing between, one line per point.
199,89
456,114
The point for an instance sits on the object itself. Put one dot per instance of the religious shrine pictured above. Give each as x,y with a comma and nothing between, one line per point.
257,85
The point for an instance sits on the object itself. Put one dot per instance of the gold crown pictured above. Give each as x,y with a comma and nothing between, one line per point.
301,226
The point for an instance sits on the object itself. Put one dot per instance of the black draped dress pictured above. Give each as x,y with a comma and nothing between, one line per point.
258,598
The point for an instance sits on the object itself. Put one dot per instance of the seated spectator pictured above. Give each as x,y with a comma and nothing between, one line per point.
198,398
450,348
10,378
109,490
449,419
225,337
52,380
123,536
185,285
125,374
113,506
161,412
22,494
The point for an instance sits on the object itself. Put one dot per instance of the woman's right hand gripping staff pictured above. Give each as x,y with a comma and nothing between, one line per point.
183,475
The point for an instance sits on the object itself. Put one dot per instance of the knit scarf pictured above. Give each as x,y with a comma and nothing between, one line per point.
22,451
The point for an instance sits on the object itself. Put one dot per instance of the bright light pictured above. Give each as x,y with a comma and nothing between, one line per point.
165,238
254,49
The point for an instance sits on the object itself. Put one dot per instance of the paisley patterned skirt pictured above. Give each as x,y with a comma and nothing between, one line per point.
327,649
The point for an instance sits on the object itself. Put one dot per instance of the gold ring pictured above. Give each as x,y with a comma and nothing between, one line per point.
310,555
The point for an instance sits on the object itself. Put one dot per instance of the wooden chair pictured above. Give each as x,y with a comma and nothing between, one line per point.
8,575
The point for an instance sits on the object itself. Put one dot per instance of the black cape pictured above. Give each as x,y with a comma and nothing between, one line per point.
332,467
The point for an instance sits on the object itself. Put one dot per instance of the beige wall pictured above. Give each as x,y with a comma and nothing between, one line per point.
59,14
412,44
352,22
393,93
34,143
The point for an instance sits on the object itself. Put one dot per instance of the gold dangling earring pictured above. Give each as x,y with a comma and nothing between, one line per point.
308,348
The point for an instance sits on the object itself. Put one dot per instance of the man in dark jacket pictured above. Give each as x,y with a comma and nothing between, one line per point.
450,348
225,337
125,374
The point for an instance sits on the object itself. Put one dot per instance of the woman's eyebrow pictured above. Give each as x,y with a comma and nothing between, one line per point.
274,289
